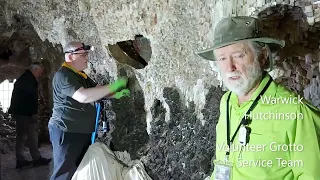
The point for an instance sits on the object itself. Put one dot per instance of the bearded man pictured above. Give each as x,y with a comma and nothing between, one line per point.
265,131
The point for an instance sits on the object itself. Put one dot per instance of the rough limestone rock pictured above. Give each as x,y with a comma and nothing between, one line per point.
7,133
312,92
169,120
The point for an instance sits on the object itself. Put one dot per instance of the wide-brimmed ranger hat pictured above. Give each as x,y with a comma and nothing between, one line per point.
236,29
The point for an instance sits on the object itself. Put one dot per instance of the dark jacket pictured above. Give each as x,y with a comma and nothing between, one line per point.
24,100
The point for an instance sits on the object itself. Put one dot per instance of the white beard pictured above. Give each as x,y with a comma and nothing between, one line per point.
244,84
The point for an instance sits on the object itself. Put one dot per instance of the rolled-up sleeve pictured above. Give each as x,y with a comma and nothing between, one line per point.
91,82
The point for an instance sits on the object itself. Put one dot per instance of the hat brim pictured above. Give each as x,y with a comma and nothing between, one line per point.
273,44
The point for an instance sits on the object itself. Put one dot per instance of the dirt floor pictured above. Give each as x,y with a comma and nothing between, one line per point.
9,172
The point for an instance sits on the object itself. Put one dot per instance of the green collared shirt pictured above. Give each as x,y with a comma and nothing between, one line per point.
284,139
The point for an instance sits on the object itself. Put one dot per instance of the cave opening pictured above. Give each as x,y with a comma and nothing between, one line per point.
5,54
20,45
6,88
135,53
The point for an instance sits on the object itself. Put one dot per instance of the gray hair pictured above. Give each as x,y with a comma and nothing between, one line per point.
70,46
35,65
257,48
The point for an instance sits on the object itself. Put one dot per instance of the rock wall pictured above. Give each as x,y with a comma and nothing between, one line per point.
297,65
169,121
182,147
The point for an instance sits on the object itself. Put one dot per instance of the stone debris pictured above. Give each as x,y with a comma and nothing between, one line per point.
7,133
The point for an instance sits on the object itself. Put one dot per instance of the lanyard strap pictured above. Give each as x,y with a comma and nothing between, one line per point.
81,73
245,120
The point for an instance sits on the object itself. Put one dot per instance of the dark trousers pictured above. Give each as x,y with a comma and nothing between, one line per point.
68,151
26,134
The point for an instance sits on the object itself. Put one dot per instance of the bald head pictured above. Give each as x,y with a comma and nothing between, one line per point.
72,46
76,55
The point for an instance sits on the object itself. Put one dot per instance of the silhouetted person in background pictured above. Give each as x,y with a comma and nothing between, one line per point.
24,109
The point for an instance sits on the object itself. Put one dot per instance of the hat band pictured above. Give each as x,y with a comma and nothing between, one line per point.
237,35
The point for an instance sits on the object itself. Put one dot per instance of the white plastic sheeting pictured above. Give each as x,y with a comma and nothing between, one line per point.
100,163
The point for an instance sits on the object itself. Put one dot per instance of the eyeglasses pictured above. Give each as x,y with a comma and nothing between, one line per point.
85,54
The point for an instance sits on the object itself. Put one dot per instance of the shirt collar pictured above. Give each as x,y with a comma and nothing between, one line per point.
81,73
